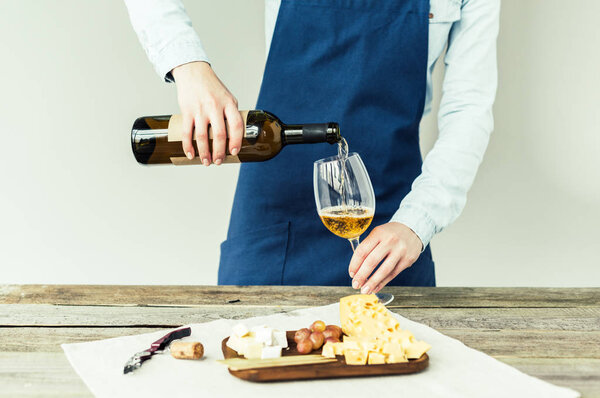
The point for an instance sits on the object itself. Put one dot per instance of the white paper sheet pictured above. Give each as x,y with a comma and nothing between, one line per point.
455,370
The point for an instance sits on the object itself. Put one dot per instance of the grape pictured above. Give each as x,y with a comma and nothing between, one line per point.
301,334
317,339
327,333
336,330
304,346
317,326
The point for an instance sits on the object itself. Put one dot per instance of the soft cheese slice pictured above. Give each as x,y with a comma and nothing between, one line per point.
253,350
280,338
240,330
263,334
271,352
238,344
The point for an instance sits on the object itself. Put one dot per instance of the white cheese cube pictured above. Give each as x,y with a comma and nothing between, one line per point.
263,335
280,338
244,342
253,350
240,330
271,352
234,342
239,343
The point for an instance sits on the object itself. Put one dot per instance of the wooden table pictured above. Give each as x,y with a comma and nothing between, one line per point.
553,334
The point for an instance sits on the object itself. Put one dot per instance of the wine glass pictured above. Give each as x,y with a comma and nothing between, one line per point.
345,199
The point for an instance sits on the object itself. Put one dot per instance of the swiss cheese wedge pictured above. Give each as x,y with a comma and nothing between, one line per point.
373,335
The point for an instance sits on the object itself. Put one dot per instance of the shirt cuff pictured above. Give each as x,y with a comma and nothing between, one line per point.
418,220
178,54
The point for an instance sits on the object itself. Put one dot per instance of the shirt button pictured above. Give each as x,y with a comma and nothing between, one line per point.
430,15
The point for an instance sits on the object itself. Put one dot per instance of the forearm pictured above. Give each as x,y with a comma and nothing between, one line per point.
465,122
439,194
166,34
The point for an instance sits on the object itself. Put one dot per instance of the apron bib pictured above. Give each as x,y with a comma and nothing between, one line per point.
361,63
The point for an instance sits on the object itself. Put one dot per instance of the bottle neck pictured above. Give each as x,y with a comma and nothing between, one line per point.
311,133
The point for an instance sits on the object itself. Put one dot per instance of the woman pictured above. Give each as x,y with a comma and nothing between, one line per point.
366,64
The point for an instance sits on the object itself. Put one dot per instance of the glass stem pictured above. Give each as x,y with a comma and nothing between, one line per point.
354,243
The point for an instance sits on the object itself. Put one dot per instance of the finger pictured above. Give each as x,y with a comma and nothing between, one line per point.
187,124
201,127
400,266
387,268
236,128
376,256
219,137
361,252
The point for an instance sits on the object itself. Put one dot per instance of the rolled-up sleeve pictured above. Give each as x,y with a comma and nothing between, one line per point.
166,34
438,195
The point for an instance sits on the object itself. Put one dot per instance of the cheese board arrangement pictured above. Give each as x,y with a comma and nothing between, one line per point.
369,342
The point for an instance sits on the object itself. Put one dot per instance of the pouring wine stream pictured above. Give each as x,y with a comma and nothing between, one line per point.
345,198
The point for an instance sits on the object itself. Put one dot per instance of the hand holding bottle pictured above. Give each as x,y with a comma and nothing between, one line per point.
204,100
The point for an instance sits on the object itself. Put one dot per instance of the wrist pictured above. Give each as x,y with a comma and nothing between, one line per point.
419,222
183,71
416,236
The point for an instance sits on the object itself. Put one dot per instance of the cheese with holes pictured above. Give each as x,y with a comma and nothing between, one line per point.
362,315
395,353
355,357
416,349
328,350
376,358
372,331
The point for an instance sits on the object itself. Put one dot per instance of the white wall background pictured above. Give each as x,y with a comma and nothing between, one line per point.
76,208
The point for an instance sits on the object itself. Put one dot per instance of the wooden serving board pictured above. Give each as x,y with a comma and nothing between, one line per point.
321,371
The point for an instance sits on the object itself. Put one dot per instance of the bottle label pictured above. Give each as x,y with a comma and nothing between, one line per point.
183,161
175,133
176,130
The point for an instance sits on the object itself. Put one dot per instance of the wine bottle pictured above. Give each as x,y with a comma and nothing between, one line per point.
157,139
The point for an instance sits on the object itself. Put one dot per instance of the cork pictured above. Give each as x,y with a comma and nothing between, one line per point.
186,349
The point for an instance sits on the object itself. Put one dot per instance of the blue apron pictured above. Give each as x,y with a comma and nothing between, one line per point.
361,63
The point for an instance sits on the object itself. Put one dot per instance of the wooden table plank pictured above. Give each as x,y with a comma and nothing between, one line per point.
62,315
35,374
521,343
39,374
47,339
299,296
581,319
581,374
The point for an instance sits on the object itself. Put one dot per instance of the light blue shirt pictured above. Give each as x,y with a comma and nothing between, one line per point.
468,27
